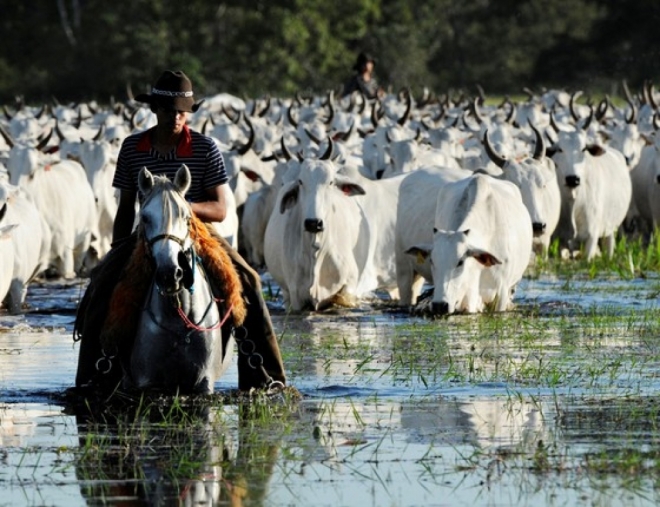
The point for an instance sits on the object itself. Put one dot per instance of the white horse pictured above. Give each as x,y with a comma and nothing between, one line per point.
178,345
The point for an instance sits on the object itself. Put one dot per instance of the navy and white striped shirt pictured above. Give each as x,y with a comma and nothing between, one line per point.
197,151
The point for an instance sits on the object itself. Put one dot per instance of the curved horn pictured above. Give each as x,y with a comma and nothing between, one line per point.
374,115
651,95
482,94
42,144
289,115
406,114
246,147
589,118
312,136
99,134
331,107
133,124
571,105
633,113
58,131
7,137
553,122
602,108
6,111
497,159
266,108
626,91
475,110
529,92
539,147
329,150
512,113
285,151
129,92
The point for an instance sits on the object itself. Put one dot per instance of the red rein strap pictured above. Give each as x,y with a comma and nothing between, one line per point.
190,324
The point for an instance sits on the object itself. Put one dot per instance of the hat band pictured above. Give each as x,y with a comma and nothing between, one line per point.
167,93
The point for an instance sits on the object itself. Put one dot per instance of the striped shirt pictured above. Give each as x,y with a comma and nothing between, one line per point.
198,152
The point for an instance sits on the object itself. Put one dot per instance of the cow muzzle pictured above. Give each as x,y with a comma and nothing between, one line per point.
313,225
538,228
572,181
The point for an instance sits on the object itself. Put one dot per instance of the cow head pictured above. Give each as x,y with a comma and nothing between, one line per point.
456,265
571,152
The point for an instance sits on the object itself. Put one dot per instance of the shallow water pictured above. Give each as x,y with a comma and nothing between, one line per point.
552,404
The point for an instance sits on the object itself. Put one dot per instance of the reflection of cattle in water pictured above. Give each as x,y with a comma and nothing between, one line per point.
483,422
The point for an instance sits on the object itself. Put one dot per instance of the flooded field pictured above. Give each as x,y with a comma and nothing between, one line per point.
552,404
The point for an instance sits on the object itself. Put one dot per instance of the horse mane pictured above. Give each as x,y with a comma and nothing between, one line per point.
126,302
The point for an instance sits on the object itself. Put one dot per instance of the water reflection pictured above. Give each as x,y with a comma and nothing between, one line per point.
175,454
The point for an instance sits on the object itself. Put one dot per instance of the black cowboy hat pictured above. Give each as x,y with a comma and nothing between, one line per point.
173,90
362,60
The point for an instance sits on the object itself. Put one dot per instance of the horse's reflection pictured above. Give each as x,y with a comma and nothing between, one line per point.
169,454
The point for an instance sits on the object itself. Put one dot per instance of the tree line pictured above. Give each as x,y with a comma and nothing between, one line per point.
93,49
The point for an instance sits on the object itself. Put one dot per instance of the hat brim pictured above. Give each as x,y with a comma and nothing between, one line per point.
186,104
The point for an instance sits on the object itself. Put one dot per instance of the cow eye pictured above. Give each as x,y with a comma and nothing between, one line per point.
460,263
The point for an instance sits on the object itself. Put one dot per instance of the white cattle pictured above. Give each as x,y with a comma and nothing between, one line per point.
414,225
31,242
64,198
228,228
258,209
644,208
330,237
536,177
408,155
481,244
99,158
6,246
596,190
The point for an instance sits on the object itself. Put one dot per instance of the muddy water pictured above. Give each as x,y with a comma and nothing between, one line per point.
553,404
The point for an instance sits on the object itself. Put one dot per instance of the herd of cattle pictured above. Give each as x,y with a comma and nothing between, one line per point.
339,197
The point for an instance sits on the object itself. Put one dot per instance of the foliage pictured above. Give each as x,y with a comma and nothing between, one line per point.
93,49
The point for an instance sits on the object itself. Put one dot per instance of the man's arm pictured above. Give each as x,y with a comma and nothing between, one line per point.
214,209
123,225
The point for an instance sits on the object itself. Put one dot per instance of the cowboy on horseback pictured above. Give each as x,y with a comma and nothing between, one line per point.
163,149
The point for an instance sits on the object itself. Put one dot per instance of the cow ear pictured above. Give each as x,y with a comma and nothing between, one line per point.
289,199
145,180
648,139
421,252
484,258
349,188
595,150
182,179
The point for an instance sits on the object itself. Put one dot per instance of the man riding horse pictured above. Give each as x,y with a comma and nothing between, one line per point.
163,149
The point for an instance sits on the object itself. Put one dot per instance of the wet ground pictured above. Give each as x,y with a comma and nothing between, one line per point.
552,404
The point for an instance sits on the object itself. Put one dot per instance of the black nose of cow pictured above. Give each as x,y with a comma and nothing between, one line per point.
440,308
572,181
538,228
313,225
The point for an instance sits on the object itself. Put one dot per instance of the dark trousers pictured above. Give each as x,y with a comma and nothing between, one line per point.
101,369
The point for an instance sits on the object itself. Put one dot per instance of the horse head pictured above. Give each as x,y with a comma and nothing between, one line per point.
165,226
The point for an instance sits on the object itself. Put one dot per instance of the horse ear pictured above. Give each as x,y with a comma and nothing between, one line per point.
145,180
182,179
